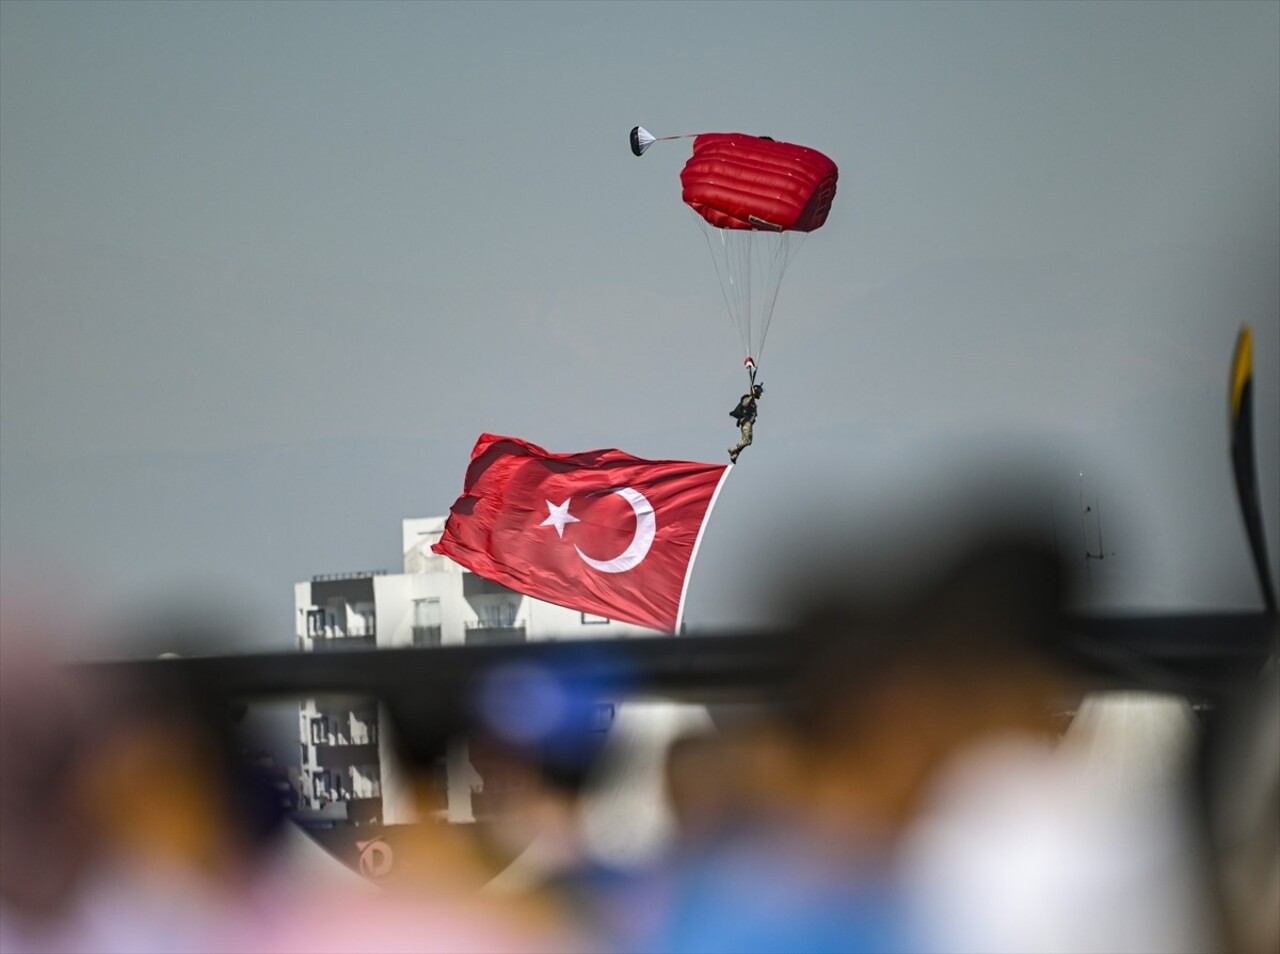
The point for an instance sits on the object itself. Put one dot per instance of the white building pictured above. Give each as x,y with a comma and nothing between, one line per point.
347,773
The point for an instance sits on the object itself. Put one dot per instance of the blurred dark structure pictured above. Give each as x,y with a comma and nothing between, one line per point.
1204,655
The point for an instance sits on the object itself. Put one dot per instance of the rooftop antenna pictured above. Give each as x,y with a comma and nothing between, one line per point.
1094,509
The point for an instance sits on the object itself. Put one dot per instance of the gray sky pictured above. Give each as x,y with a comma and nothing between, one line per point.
267,270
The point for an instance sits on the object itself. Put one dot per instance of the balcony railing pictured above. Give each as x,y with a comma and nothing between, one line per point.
368,737
481,633
426,635
337,640
353,575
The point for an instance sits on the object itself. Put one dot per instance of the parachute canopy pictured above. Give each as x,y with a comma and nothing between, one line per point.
737,181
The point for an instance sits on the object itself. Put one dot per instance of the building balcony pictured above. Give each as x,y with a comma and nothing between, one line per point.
476,585
343,757
364,811
337,642
321,739
326,816
485,633
354,575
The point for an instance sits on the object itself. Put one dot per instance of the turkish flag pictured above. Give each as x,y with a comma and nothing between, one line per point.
601,531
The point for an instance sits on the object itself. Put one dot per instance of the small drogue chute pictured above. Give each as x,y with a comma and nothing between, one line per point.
756,200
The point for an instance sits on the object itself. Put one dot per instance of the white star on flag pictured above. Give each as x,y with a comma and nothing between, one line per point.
559,516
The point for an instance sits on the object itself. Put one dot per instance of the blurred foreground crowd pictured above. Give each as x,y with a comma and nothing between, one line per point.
933,776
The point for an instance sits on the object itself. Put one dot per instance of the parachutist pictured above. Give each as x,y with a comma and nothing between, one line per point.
745,414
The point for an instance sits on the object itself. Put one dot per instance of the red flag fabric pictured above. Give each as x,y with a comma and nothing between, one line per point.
601,531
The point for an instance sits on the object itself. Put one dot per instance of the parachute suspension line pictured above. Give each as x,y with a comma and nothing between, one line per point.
783,254
743,244
737,270
750,265
724,273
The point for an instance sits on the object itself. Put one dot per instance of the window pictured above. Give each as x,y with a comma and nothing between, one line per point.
497,615
591,619
426,622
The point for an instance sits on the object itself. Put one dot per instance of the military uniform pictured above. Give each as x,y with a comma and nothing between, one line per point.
745,414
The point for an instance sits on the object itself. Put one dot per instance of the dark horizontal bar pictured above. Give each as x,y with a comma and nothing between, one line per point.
1190,653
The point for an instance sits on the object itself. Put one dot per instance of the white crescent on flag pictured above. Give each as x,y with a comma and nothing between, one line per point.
638,549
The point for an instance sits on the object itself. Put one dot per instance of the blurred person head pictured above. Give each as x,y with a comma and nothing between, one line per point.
547,714
538,740
893,685
533,723
173,779
170,781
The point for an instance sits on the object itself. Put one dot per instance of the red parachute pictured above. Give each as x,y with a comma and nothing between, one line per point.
756,199
735,181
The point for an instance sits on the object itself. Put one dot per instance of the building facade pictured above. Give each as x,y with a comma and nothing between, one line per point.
347,772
